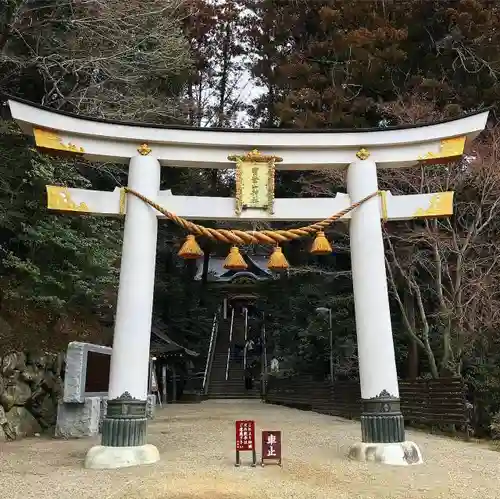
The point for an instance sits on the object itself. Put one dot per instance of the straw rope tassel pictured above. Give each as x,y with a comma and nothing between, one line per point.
277,260
234,261
321,245
190,250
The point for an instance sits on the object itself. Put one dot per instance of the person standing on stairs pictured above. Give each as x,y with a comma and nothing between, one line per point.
258,347
250,345
238,353
248,378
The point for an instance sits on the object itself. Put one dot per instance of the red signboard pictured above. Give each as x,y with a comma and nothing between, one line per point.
245,435
271,447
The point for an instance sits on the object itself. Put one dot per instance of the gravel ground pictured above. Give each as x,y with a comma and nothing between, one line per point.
196,443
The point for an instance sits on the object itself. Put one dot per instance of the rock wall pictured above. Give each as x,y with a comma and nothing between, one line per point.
31,385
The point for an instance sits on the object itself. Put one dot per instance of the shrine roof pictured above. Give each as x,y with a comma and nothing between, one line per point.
162,344
217,273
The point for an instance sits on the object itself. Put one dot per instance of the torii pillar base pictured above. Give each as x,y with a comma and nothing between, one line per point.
123,441
102,457
393,454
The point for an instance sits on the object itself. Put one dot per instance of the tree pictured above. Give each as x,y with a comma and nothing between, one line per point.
452,53
107,59
298,335
450,266
218,83
326,64
442,272
268,41
329,63
58,261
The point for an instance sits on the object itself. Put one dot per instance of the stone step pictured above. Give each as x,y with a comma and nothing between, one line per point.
232,387
222,369
233,373
233,380
232,396
217,369
232,376
233,391
224,361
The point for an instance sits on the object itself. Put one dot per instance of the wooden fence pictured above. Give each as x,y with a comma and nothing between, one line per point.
430,402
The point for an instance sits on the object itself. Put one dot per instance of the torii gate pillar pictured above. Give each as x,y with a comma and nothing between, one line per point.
382,424
124,426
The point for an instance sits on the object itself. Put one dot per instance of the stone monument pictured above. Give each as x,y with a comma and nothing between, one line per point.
85,399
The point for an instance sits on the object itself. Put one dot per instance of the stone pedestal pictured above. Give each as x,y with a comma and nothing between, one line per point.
80,412
102,457
123,436
381,420
77,420
395,454
125,422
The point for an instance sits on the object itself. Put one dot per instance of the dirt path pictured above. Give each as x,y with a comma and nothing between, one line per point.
196,443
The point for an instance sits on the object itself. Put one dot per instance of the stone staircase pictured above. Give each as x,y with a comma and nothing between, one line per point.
234,386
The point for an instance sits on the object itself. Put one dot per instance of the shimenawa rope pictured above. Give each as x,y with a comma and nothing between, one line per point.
239,237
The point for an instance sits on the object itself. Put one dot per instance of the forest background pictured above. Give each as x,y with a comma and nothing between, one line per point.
323,64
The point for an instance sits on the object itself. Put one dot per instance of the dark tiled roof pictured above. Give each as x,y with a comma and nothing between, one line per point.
217,273
162,344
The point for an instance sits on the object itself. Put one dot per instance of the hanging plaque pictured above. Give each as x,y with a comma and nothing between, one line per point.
254,181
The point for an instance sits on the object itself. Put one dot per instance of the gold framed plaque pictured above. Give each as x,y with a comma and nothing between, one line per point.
254,181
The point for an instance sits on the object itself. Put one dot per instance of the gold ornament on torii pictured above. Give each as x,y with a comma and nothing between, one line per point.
363,154
144,150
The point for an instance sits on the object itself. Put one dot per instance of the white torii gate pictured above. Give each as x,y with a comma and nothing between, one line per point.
146,148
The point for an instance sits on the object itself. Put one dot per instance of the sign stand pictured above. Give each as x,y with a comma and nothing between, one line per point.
245,440
271,447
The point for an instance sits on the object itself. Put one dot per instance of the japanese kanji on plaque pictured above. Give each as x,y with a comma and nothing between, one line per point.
245,439
271,447
254,181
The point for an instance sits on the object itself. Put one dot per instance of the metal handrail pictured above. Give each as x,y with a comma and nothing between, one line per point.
246,337
211,351
229,346
264,350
